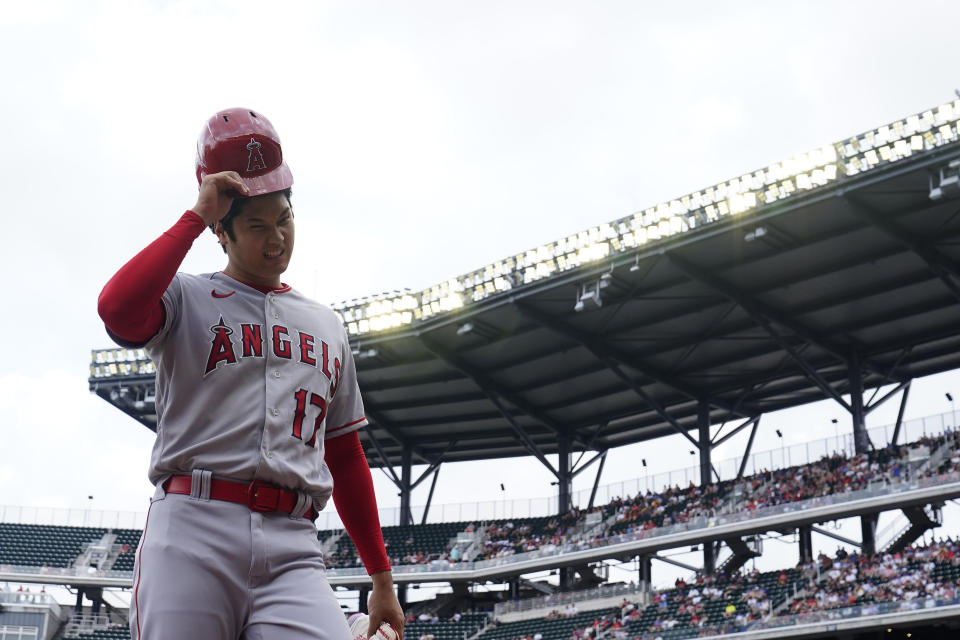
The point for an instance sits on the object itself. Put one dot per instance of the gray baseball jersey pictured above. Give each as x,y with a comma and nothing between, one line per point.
250,384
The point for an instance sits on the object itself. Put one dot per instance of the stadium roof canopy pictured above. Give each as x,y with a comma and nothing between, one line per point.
790,284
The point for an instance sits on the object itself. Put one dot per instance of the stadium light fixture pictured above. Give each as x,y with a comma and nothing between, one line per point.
589,294
948,181
792,177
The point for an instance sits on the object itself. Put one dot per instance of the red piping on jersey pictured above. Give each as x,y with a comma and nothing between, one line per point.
136,589
349,424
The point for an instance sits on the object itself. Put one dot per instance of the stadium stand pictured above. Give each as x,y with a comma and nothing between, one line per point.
128,539
720,603
116,632
556,626
465,627
60,546
44,545
920,572
834,474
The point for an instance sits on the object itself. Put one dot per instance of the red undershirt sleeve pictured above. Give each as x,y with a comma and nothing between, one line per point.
131,304
355,499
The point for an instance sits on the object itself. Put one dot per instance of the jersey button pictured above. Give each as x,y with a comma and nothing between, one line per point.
276,315
275,412
276,374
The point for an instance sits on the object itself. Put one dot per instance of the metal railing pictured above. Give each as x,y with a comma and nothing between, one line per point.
838,614
700,522
29,597
562,598
19,633
783,457
552,551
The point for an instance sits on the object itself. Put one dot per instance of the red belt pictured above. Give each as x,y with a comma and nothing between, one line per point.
259,496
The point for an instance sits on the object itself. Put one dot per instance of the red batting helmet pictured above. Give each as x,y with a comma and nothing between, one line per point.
244,141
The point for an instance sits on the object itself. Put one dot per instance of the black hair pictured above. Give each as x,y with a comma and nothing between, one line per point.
237,206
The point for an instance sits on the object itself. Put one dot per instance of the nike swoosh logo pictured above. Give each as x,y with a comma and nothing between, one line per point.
214,293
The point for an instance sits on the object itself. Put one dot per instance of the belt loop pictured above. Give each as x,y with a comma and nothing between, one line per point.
304,502
200,484
206,483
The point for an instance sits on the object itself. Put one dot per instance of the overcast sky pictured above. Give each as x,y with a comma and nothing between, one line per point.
426,139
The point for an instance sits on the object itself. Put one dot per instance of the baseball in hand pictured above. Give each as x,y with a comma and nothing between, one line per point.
360,622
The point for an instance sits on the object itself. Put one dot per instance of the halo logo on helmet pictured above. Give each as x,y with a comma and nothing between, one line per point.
244,141
255,159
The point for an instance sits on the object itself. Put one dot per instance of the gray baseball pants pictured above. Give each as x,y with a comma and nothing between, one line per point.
219,571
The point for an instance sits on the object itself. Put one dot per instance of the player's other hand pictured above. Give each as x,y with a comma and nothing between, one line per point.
383,605
217,193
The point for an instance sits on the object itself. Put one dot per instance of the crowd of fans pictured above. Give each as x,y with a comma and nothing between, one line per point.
831,475
507,538
837,474
917,573
928,574
661,509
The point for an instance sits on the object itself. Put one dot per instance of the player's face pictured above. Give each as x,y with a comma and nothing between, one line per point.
263,241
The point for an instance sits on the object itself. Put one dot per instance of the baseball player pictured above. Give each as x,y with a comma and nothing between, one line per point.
258,410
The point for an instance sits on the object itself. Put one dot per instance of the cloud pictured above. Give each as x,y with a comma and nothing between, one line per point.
62,444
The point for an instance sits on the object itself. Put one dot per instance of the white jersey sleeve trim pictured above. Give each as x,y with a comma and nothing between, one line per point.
344,429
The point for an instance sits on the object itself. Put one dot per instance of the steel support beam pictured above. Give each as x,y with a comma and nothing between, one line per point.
756,307
380,421
656,406
525,438
564,476
434,465
488,386
861,442
746,423
676,563
387,467
835,536
406,467
805,535
749,448
807,368
876,403
868,533
710,557
433,484
575,470
496,395
645,571
942,266
703,430
609,356
596,481
903,407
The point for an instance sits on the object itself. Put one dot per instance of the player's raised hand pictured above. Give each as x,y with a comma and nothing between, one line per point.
217,193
